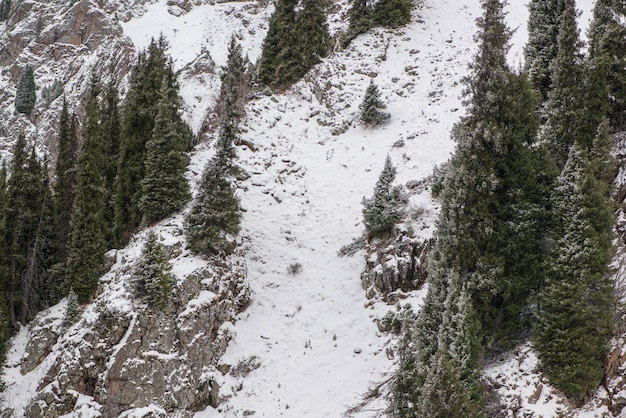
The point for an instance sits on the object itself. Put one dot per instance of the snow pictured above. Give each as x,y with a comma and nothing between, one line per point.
313,332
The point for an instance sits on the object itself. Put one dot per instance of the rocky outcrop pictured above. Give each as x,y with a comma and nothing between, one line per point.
126,356
395,266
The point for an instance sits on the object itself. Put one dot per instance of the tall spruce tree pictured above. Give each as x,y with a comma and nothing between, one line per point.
565,106
4,315
361,21
234,82
607,61
152,279
294,42
480,279
138,114
29,235
25,96
371,108
392,13
380,213
110,124
65,170
574,310
164,188
88,228
279,38
541,49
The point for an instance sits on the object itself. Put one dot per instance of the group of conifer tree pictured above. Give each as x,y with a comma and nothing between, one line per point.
122,168
524,233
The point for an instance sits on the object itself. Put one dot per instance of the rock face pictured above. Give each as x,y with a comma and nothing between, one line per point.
124,356
397,264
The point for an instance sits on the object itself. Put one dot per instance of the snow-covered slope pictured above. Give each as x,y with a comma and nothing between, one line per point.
308,345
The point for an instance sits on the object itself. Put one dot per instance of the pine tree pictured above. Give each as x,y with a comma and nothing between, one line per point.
4,315
72,311
312,40
480,279
371,107
392,13
279,38
152,279
64,197
541,49
234,82
138,114
5,9
29,235
215,215
110,130
88,228
25,96
380,213
294,42
565,108
164,186
361,21
574,322
607,59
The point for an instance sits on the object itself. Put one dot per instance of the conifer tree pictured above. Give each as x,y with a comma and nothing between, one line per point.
215,215
4,315
25,96
565,108
110,130
64,196
88,228
72,311
392,13
280,35
372,107
234,82
361,21
541,49
312,40
29,235
5,9
164,187
152,279
607,61
380,213
574,322
138,114
480,279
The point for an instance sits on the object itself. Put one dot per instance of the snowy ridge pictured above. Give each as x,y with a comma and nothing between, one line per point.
308,345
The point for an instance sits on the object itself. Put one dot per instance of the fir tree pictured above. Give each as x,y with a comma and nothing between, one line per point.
4,315
574,321
25,96
541,49
5,9
88,228
279,38
72,311
312,41
215,215
380,213
164,186
371,107
29,235
360,21
152,279
392,13
110,130
64,196
565,109
234,83
480,279
138,114
607,60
